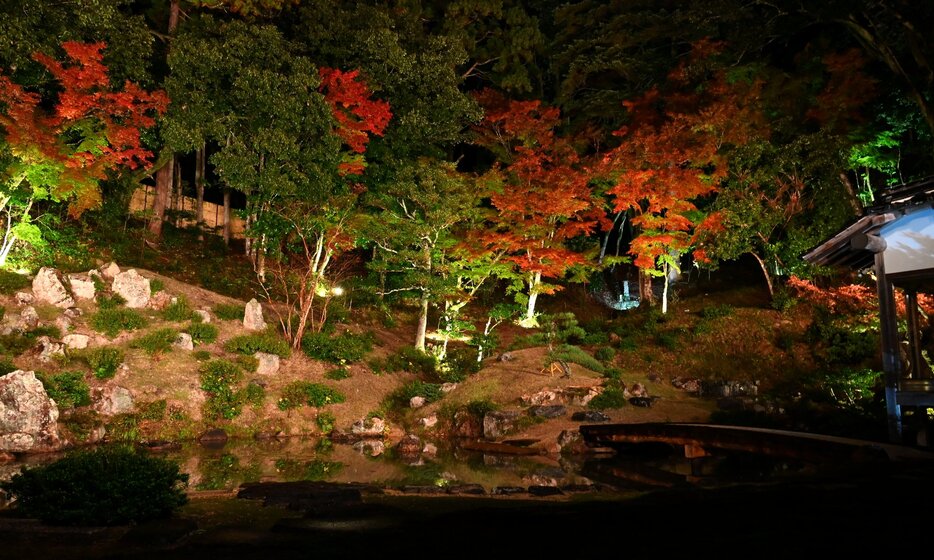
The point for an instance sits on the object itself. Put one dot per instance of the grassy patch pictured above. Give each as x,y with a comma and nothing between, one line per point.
158,341
178,311
67,389
103,360
229,311
339,349
202,333
252,343
112,321
300,393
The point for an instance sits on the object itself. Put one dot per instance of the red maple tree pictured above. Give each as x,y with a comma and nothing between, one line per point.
543,197
358,114
87,131
670,156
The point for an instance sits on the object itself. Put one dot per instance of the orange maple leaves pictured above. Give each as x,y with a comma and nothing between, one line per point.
90,128
357,114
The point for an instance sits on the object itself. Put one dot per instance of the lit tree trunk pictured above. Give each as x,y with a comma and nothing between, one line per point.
227,216
665,269
199,191
534,280
422,322
765,273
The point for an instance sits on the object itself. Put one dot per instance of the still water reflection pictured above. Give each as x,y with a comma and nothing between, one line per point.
228,466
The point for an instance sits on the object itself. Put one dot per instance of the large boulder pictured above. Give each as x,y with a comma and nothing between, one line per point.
76,341
28,417
466,424
133,287
111,270
48,288
82,286
253,316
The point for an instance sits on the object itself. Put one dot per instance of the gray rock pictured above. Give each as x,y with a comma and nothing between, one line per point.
267,364
205,316
498,423
48,288
369,427
82,286
132,287
466,424
590,416
430,421
448,387
416,402
112,399
548,411
183,341
72,312
28,417
76,341
253,316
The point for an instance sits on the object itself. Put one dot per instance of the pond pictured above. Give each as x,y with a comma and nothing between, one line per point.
226,466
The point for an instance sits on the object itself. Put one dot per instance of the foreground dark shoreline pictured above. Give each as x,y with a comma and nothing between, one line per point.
863,509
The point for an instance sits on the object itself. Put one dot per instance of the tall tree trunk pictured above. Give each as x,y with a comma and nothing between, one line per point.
179,203
422,322
166,174
160,202
227,216
199,191
665,290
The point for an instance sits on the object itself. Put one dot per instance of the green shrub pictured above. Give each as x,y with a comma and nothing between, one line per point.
106,486
2,312
217,379
248,363
459,364
613,374
300,393
178,311
574,355
67,389
11,282
152,410
611,397
325,421
123,428
252,343
479,408
6,366
431,392
783,299
670,340
410,359
717,311
202,333
103,360
340,349
156,285
156,342
111,301
201,355
337,373
229,311
254,394
111,321
605,354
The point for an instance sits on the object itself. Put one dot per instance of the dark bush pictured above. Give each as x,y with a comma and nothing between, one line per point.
107,486
458,365
217,379
604,354
611,397
431,392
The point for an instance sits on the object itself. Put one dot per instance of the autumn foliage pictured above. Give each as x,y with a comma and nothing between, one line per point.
671,154
544,198
87,130
357,114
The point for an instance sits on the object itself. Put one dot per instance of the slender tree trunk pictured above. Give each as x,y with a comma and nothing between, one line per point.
765,273
534,280
199,191
160,202
645,287
422,323
665,291
227,216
